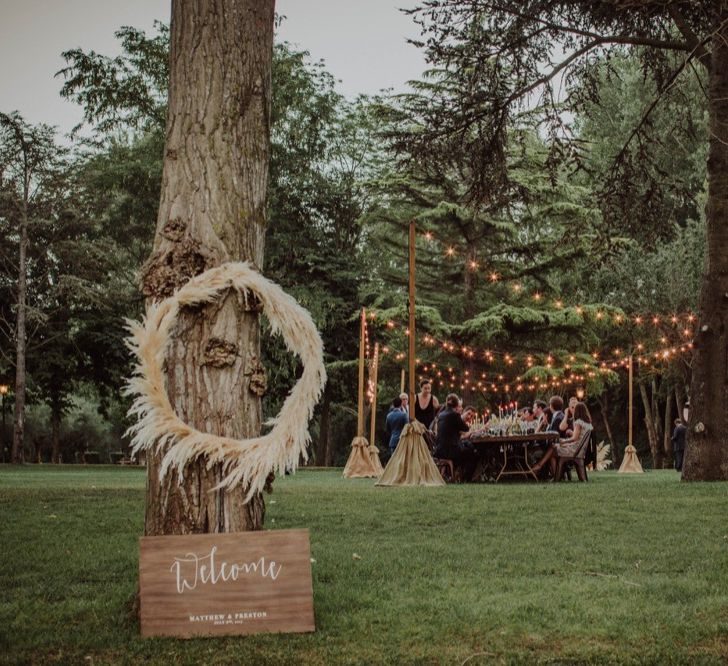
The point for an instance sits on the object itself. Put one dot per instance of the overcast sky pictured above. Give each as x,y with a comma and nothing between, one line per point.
362,41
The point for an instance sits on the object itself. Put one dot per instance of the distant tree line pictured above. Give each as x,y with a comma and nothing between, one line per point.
531,197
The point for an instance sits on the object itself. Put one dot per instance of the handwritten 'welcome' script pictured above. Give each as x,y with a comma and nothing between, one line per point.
193,569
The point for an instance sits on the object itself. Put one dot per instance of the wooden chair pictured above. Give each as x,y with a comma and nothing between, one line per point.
563,463
446,469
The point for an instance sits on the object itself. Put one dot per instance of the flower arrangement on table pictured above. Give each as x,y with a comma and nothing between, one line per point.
500,426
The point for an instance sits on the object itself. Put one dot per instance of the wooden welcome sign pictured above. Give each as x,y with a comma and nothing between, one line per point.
236,583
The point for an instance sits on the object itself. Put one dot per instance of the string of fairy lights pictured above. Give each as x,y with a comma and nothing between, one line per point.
517,287
496,382
600,361
619,356
579,372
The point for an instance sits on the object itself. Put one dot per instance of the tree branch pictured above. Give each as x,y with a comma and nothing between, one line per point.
632,40
671,80
695,43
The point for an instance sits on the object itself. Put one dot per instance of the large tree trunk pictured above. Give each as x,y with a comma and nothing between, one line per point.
469,310
212,210
603,407
55,434
706,454
667,432
680,402
17,451
322,450
655,445
656,414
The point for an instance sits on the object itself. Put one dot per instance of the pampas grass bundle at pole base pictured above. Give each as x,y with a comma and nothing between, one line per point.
631,463
376,460
359,464
246,461
411,464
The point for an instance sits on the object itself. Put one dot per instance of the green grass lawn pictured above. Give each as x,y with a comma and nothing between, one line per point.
625,569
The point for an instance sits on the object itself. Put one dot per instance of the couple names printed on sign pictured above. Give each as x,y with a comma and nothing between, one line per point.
217,584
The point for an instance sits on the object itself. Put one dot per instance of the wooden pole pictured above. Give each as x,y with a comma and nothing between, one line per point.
631,400
373,375
360,405
401,382
412,350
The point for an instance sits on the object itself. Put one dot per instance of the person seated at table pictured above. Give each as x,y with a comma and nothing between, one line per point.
426,404
567,447
542,418
433,427
469,415
451,431
566,427
528,415
396,421
556,403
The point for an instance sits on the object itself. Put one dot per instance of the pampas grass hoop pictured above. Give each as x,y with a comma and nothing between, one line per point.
246,461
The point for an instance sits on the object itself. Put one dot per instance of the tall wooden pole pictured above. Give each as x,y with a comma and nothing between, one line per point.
373,375
401,382
631,400
360,403
412,319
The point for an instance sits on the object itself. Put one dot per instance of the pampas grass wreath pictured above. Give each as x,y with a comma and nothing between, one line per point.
246,461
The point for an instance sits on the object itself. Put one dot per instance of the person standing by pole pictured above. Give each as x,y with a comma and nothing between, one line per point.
426,404
3,393
678,443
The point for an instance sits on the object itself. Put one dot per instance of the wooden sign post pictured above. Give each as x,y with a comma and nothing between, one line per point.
235,583
630,391
374,378
360,397
411,349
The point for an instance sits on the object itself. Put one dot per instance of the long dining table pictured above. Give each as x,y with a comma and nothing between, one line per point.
507,455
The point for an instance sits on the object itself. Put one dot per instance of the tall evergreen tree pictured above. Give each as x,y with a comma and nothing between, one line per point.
517,52
32,197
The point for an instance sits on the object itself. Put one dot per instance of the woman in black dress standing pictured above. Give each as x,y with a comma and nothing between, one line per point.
426,404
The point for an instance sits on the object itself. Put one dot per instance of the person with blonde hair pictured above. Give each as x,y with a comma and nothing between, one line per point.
568,447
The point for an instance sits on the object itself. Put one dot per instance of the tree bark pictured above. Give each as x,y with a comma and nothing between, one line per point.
655,448
322,450
667,436
679,402
17,451
603,406
212,210
469,310
706,453
656,409
55,435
